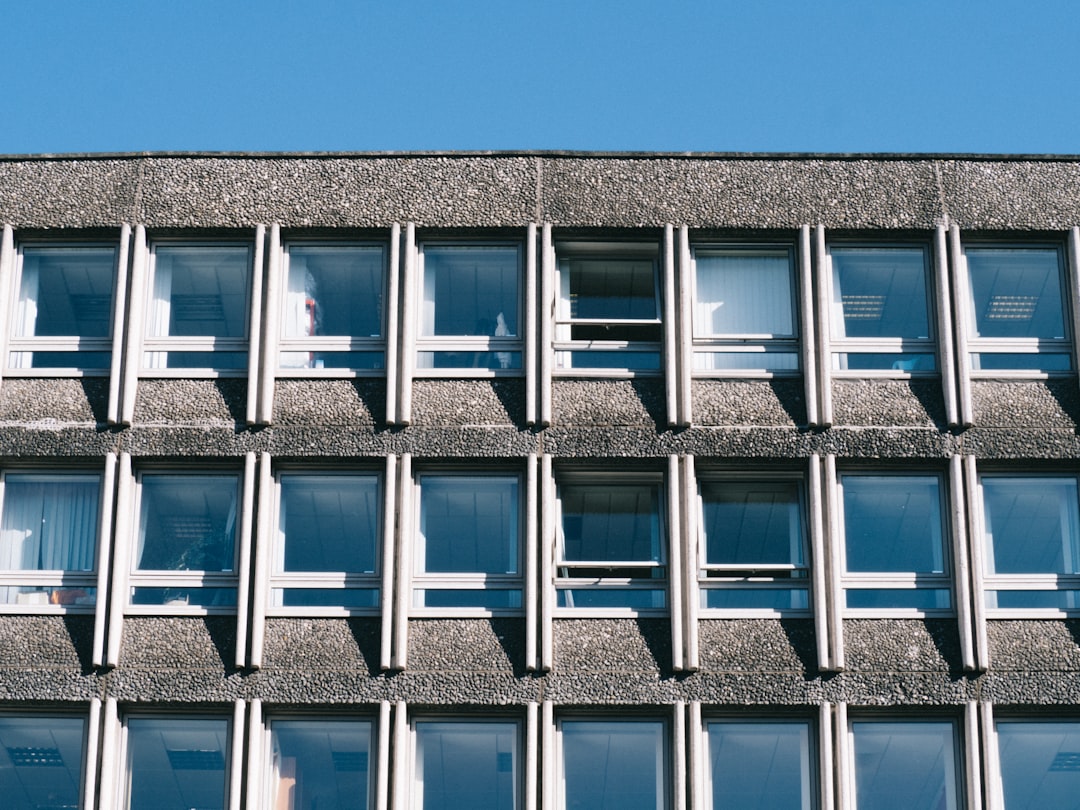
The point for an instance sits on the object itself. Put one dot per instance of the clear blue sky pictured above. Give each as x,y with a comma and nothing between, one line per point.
685,75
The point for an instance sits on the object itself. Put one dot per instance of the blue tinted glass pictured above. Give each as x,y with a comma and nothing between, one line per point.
614,765
642,361
188,523
910,598
177,763
881,292
327,597
41,761
489,598
892,523
905,766
329,523
633,598
200,291
879,361
323,764
1003,361
468,524
1016,293
613,289
761,765
83,360
718,598
1039,764
1032,525
491,361
610,522
66,291
466,765
334,290
746,361
470,290
747,523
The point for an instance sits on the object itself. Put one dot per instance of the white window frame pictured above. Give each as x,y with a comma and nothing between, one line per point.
87,769
54,579
149,344
665,755
564,344
415,797
840,345
993,582
978,345
280,579
331,343
992,720
468,343
162,578
563,582
753,345
420,580
73,344
905,580
762,576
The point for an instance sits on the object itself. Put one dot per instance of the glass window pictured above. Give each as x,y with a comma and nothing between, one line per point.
611,545
177,763
48,540
333,307
468,546
185,554
744,315
905,765
881,316
326,548
41,761
614,765
760,764
754,546
471,764
1018,309
1040,763
608,315
470,310
1032,534
320,763
894,542
198,314
63,316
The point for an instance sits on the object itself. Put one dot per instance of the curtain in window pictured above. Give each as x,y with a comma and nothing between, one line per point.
300,311
160,310
26,313
743,295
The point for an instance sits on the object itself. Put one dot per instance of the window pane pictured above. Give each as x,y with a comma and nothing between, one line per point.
612,289
746,361
329,523
200,291
610,523
1032,525
880,292
742,598
884,361
614,765
1040,764
466,765
50,523
743,293
470,290
752,523
187,523
760,765
468,524
41,762
175,763
322,764
492,361
903,766
66,291
334,290
892,523
1016,293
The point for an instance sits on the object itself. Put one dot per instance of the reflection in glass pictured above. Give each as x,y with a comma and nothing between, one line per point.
610,523
187,523
1032,525
762,764
176,763
1016,292
614,765
334,290
468,524
200,291
892,523
323,764
880,293
41,762
903,766
466,765
470,290
1040,763
328,523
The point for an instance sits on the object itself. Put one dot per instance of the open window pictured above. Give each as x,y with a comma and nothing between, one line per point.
900,765
41,761
323,763
608,310
895,544
326,547
174,761
752,554
184,560
64,309
333,310
197,315
466,763
471,312
48,540
611,549
882,318
761,763
468,544
1018,303
609,763
1031,528
744,312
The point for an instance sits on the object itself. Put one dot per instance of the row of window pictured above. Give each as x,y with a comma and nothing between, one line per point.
470,306
630,762
468,540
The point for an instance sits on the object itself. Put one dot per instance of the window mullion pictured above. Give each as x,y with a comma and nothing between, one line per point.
823,323
133,339
104,540
255,367
961,572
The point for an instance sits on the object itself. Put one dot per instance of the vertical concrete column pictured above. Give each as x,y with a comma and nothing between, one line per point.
946,352
834,555
977,556
93,739
691,563
7,284
547,563
991,758
549,787
1073,272
409,282
822,270
675,556
679,754
125,521
110,749
255,322
843,762
260,587
819,565
382,774
972,772
275,271
806,316
105,525
547,321
243,571
697,754
393,324
684,287
236,756
389,529
118,324
400,655
140,269
826,759
671,353
256,760
532,761
532,563
399,786
962,572
962,296
530,336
